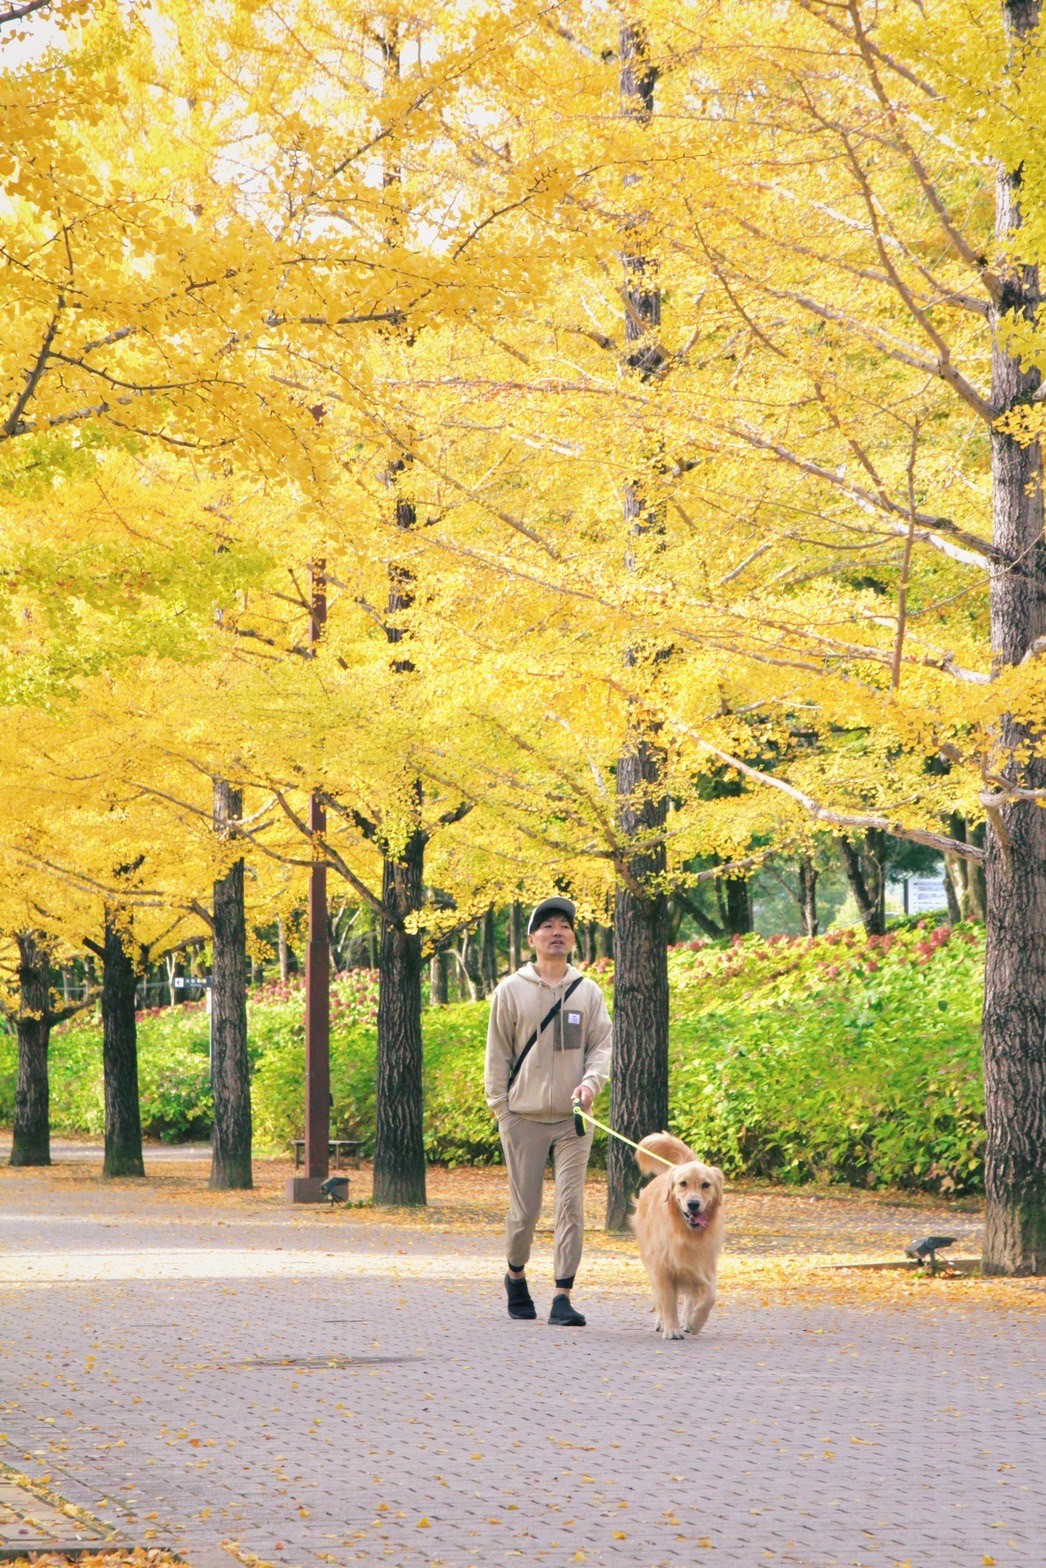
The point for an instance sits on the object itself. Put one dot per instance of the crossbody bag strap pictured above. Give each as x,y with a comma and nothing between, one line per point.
542,1026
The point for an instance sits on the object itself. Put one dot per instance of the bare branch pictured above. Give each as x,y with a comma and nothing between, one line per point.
16,13
12,425
944,844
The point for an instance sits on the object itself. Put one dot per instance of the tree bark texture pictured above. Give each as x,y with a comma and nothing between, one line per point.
1014,1020
123,1121
230,1066
639,1065
399,1145
639,1072
31,1137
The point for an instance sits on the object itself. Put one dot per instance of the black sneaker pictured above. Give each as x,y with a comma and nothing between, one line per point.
563,1313
519,1303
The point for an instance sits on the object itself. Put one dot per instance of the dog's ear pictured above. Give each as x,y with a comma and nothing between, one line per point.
718,1178
670,1187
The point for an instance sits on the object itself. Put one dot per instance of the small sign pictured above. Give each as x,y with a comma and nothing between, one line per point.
183,982
926,894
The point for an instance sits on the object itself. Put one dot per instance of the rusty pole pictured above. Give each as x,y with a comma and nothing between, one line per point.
317,972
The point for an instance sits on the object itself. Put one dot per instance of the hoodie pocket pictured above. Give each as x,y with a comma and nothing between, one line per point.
572,1034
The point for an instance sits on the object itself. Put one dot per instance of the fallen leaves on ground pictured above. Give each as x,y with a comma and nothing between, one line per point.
137,1557
801,1246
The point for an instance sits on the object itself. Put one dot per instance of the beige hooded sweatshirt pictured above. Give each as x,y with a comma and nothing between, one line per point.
573,1049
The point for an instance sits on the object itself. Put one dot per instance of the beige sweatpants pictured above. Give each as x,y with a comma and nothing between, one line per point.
527,1145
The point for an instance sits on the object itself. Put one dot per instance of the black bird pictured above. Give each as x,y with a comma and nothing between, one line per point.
335,1189
927,1249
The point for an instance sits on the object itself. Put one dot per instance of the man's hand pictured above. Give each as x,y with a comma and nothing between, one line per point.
583,1096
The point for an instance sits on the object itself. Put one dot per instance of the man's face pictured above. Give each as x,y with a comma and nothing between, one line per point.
553,938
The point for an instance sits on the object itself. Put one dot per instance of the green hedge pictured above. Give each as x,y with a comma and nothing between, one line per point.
835,1060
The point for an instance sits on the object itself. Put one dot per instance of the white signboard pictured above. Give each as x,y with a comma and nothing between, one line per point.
926,894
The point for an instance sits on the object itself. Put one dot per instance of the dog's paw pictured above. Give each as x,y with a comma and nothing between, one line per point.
675,1333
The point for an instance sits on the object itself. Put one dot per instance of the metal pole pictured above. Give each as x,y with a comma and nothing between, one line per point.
317,975
317,1016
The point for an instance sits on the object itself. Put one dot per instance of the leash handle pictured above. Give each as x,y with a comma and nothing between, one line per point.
581,1117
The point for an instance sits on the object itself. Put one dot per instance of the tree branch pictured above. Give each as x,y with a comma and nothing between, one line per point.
939,841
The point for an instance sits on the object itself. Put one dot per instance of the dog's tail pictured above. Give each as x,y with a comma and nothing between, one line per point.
657,1147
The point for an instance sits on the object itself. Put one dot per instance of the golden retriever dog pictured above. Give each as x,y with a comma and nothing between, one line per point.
679,1227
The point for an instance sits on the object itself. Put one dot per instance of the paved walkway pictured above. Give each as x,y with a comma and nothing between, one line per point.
311,1387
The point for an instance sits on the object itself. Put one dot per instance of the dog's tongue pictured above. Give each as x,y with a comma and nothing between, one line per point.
699,1221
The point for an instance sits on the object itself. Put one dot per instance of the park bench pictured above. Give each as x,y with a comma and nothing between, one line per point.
338,1149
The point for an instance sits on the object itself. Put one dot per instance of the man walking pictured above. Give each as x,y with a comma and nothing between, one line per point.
548,1046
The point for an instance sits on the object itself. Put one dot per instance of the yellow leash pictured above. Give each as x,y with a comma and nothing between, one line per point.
588,1117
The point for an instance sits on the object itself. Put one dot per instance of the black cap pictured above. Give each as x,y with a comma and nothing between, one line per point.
552,906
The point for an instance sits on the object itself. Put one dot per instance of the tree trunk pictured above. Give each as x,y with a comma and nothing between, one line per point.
1014,1021
951,896
438,980
639,1074
31,1137
975,904
284,950
399,1145
639,1071
230,1067
470,966
515,937
966,876
867,879
489,952
808,894
123,1121
604,941
171,968
738,906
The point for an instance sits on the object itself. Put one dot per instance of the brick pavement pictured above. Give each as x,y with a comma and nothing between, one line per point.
322,1391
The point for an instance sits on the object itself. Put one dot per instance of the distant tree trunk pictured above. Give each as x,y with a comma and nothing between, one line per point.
639,1074
489,952
31,1136
438,980
966,876
951,896
738,906
604,941
866,876
284,950
515,937
230,1066
471,967
399,1145
808,895
1014,1020
171,966
123,1122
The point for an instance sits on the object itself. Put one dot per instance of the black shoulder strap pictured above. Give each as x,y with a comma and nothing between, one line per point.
542,1026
